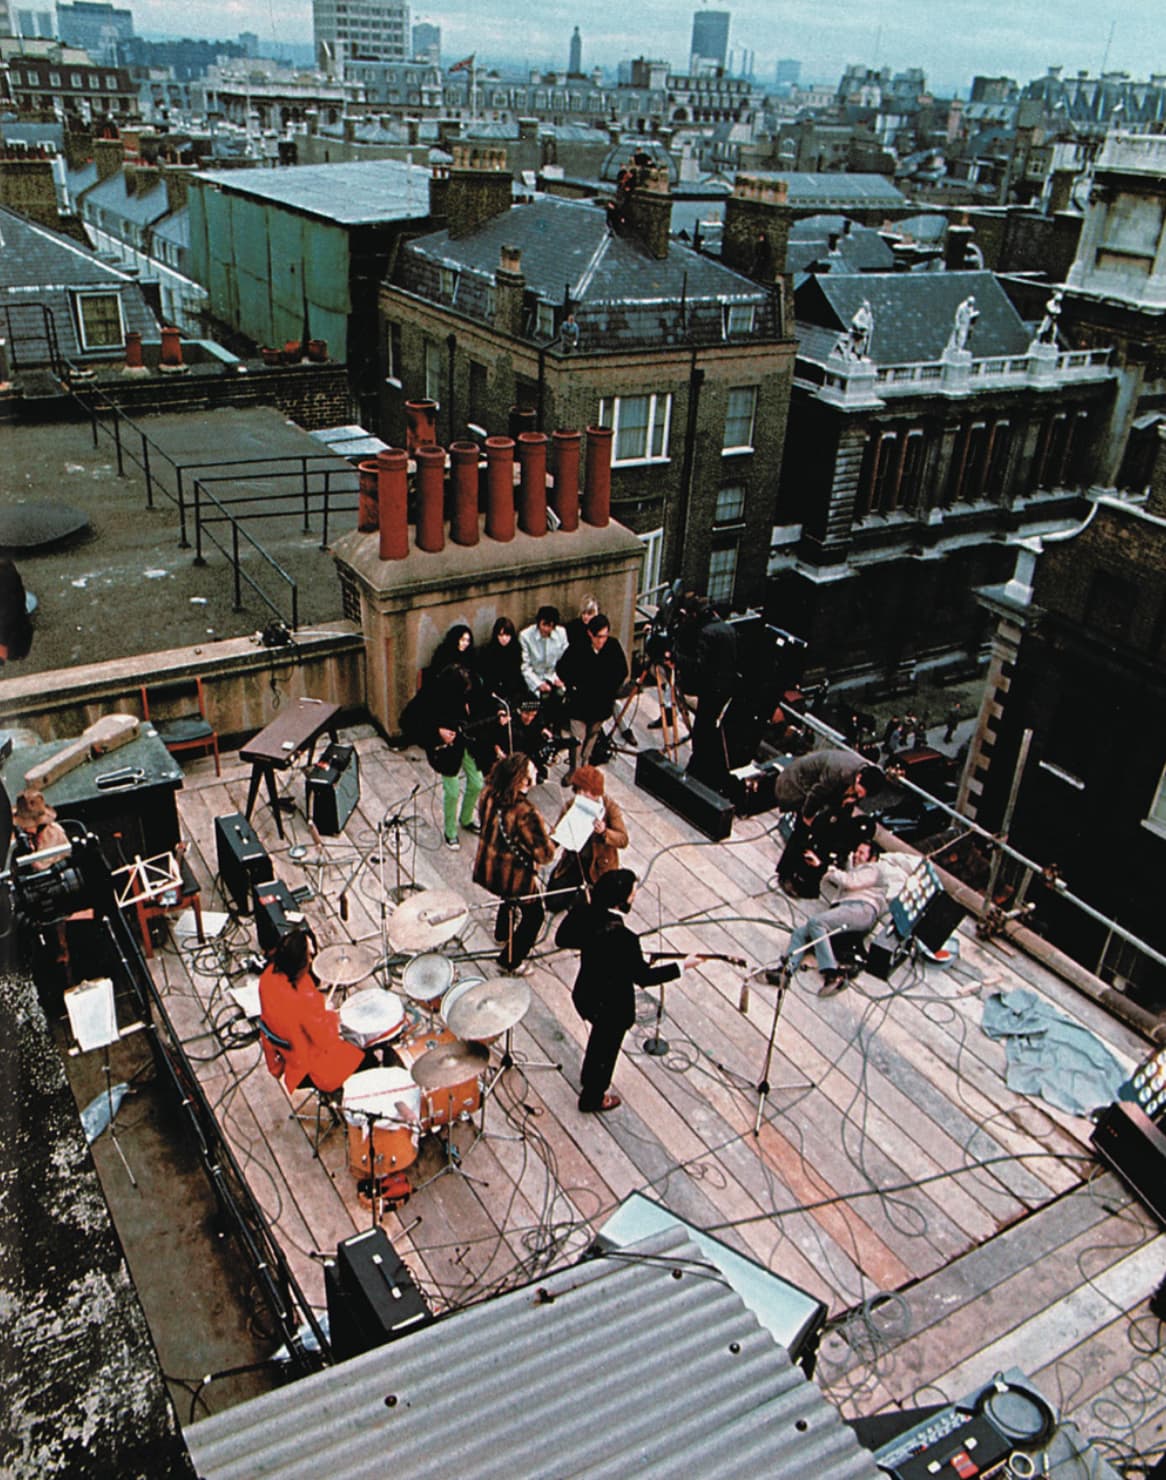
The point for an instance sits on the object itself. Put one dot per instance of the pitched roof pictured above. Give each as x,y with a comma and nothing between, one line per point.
621,294
41,267
913,313
646,1362
823,189
143,206
361,193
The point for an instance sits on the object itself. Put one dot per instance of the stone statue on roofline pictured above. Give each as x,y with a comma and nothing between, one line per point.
961,330
854,344
1047,333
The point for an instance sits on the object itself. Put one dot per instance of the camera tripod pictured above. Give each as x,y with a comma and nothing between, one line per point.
671,709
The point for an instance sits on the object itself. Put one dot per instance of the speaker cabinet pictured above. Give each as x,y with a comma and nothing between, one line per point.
372,1298
708,811
1128,1140
274,902
940,916
333,788
242,859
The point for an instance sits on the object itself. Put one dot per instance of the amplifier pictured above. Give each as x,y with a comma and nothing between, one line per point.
753,788
884,951
1128,1140
242,859
372,1297
941,914
274,904
333,788
708,811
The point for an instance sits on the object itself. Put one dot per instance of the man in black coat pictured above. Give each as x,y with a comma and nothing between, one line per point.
824,788
611,966
593,670
706,654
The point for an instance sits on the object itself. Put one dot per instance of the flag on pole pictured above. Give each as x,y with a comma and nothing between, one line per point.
463,66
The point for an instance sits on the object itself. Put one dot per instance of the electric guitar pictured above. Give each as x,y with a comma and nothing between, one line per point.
702,956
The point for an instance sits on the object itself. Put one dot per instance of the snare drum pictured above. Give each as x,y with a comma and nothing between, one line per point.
439,1106
391,1095
372,1016
426,979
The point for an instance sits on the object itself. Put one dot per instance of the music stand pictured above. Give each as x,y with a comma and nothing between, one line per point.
93,1020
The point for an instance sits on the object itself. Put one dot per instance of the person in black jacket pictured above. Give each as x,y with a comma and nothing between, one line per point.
498,663
706,652
611,966
593,670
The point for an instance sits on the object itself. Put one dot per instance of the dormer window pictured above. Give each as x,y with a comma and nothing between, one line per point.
449,283
99,320
545,320
739,318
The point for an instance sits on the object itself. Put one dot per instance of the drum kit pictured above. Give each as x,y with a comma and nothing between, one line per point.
438,1028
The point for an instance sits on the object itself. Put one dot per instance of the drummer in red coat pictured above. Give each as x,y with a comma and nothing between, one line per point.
292,1007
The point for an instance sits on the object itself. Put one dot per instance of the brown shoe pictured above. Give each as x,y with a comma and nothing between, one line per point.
609,1102
833,982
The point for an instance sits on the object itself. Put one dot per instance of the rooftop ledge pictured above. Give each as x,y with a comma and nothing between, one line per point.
848,381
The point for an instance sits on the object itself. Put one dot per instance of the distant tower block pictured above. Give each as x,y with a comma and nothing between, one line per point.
710,39
575,64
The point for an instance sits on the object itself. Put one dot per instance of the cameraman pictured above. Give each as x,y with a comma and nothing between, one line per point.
706,656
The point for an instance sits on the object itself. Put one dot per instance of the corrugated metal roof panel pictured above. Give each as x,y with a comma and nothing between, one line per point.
646,1362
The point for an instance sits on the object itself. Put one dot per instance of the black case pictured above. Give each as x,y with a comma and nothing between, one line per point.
707,810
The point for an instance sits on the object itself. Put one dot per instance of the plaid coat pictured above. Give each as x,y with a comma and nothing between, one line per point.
513,844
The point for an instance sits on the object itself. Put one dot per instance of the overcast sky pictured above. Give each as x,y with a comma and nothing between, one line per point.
949,39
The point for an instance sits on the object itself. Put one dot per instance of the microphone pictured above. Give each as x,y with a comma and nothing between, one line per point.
343,905
743,999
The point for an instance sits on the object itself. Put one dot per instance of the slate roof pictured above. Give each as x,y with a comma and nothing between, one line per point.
364,193
622,296
823,189
913,313
142,208
21,131
858,250
38,266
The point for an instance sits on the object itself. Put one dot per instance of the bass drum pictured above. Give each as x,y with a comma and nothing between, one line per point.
388,1142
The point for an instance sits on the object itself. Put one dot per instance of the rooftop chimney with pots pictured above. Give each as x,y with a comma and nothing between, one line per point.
647,209
177,182
509,292
479,188
439,195
757,222
108,155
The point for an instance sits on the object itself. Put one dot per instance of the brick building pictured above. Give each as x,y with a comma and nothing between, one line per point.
687,360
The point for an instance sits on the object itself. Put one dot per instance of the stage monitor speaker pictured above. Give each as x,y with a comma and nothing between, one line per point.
708,811
242,859
884,951
372,1297
274,902
1128,1140
333,788
941,914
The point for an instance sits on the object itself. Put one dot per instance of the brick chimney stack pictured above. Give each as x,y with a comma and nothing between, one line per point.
479,188
647,210
509,290
108,155
177,182
757,222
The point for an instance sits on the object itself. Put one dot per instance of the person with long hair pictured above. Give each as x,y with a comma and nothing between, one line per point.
498,663
514,844
457,646
292,1007
611,967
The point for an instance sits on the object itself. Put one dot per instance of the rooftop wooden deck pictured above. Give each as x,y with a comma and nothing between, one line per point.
953,1227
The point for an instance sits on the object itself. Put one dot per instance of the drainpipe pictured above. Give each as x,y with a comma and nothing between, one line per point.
688,470
451,346
542,387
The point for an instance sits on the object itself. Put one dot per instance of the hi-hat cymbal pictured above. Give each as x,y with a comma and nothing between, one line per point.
344,964
489,1008
449,1064
426,920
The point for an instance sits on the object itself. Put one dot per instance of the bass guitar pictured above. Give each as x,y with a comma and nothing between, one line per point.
701,956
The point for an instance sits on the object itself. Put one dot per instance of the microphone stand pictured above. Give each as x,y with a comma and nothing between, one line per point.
397,822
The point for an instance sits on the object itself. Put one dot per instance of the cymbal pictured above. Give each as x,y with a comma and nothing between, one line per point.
489,1008
449,1064
426,920
344,964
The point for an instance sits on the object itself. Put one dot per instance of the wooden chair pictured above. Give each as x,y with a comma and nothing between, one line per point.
320,1102
189,730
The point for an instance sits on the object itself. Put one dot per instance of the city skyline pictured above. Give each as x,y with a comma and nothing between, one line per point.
960,40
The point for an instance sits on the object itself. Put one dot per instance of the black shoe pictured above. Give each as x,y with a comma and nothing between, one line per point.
833,982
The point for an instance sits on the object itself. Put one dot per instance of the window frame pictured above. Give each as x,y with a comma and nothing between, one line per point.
729,553
732,448
82,296
431,362
659,420
722,520
731,309
1152,821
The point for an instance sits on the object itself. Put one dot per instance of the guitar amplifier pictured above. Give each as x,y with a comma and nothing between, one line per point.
754,787
708,811
242,859
333,789
372,1297
274,906
1128,1140
884,951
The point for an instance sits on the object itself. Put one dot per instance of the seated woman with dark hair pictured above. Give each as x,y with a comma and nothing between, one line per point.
457,646
498,663
611,966
293,1009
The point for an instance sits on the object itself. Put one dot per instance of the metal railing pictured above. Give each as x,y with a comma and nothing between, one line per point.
307,485
1121,954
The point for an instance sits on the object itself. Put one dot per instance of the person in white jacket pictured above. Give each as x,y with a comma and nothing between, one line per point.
861,900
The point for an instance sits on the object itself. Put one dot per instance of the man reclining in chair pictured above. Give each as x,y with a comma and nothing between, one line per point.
862,898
